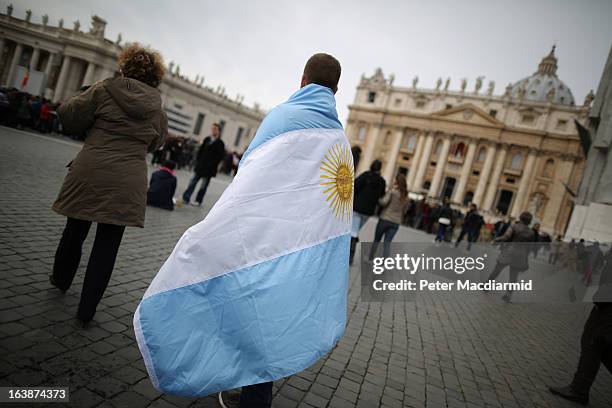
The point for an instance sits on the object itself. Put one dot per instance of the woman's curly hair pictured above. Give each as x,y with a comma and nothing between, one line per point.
142,63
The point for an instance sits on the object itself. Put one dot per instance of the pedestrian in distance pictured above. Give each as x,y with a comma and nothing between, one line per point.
472,222
162,187
369,188
394,205
515,251
445,219
122,118
555,249
208,158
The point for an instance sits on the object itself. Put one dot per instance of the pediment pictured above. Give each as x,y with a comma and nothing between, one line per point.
468,113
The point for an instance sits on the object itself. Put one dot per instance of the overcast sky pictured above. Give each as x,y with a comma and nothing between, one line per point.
258,48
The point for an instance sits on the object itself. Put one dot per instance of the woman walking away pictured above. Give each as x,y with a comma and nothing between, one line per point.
393,204
122,119
515,253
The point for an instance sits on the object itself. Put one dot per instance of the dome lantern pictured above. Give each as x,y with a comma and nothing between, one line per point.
548,65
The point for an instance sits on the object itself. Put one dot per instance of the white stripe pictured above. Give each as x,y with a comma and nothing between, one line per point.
144,350
274,206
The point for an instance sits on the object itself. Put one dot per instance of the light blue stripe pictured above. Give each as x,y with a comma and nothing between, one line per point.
253,325
312,107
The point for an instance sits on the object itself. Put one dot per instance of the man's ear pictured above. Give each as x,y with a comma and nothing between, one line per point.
304,81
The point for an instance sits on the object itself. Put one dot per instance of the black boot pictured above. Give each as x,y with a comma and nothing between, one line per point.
353,248
569,393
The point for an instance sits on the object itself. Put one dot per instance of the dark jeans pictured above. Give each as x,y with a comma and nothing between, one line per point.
441,236
595,348
387,229
100,265
499,267
471,237
256,396
192,185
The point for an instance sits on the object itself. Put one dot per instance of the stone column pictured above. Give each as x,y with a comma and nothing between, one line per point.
89,74
519,202
61,81
563,174
13,66
389,172
494,179
370,146
34,59
423,163
440,166
414,165
48,91
466,170
484,175
49,65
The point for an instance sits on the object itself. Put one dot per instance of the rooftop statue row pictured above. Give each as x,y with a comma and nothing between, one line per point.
542,86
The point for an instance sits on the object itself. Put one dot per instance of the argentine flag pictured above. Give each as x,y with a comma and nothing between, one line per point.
257,291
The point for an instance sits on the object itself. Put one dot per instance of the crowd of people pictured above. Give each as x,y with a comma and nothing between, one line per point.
22,110
394,208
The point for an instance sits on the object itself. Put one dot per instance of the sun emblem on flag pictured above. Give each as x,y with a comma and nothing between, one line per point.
337,180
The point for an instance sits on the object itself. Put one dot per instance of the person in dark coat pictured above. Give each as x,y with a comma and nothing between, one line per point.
122,118
501,226
516,256
162,187
209,156
369,188
595,343
471,226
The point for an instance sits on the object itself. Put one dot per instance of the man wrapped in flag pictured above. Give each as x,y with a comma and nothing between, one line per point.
257,290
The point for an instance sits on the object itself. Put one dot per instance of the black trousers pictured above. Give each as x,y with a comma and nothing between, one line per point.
100,265
595,348
256,396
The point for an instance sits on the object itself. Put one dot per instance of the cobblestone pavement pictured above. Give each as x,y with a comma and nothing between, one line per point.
426,353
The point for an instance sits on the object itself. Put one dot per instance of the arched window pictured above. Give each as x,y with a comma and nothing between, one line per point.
459,150
410,142
482,155
361,135
517,161
549,167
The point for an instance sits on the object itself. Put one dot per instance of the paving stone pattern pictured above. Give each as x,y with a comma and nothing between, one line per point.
428,353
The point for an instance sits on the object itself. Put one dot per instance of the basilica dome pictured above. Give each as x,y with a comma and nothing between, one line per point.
543,86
